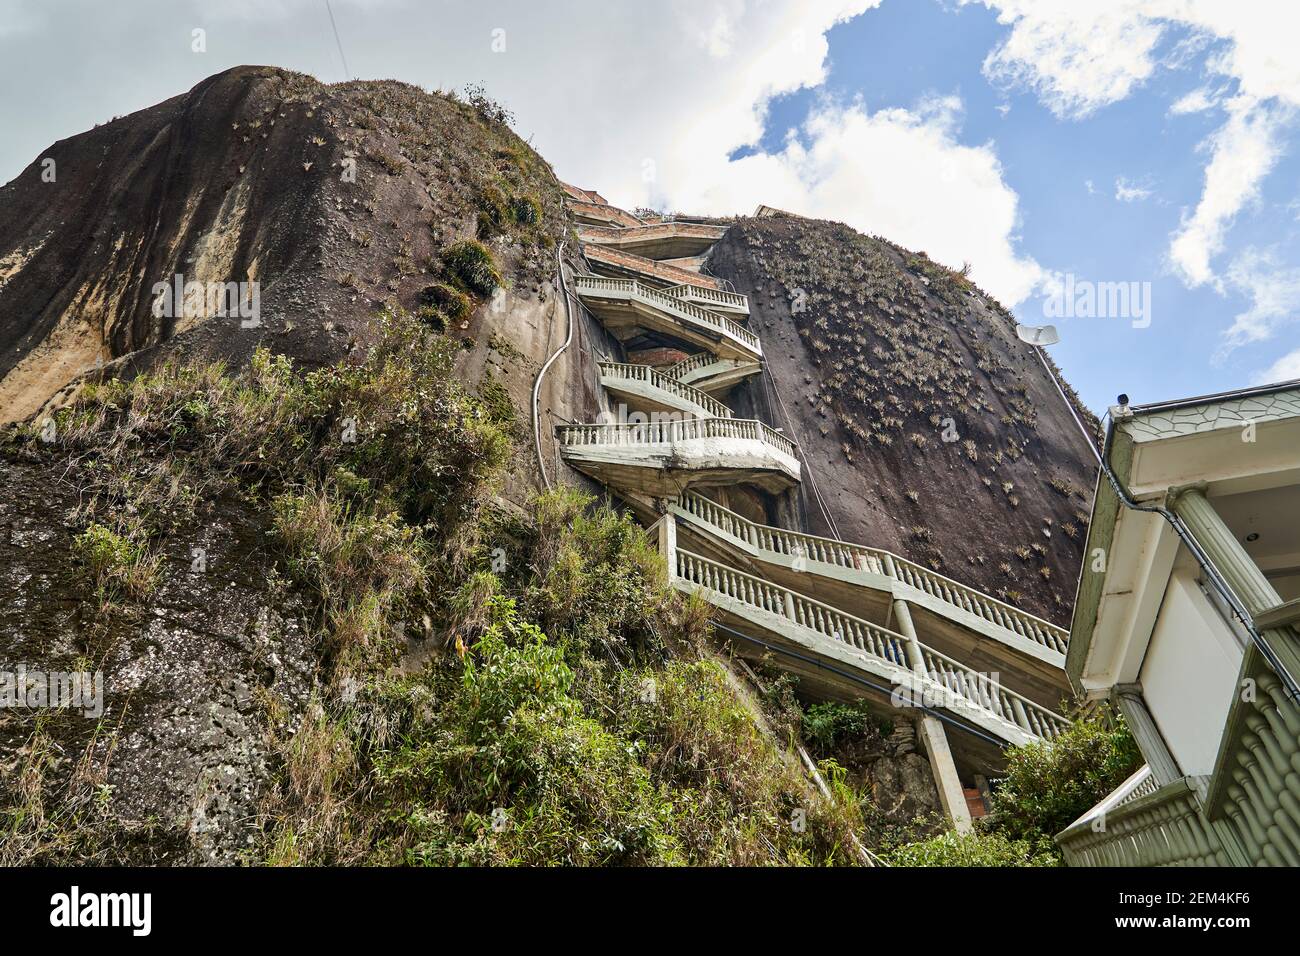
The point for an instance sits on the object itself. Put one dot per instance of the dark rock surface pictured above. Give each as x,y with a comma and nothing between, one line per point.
875,357
335,199
194,684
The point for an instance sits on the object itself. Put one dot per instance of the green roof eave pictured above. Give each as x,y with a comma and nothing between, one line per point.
1101,534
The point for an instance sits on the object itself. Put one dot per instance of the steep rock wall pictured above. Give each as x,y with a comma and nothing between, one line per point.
928,427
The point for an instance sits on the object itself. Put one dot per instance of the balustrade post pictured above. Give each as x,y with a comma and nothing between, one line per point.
951,793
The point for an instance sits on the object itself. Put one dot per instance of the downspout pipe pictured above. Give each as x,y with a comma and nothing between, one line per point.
537,384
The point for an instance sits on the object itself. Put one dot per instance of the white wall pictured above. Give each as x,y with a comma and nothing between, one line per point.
1189,674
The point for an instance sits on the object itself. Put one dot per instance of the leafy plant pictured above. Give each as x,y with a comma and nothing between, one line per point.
971,849
470,263
1050,784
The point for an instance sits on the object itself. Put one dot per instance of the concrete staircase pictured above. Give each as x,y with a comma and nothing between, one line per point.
851,621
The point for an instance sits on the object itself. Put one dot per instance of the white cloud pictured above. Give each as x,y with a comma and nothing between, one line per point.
1080,57
704,94
1197,101
1285,369
1242,152
1128,191
898,173
1274,293
16,17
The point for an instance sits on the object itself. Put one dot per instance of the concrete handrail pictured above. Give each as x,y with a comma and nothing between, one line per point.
878,561
732,299
1163,827
596,285
889,647
698,360
674,431
652,376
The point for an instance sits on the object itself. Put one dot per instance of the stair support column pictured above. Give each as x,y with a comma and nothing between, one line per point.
668,542
1128,700
952,796
905,627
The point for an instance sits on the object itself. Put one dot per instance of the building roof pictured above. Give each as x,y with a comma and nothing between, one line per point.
1235,441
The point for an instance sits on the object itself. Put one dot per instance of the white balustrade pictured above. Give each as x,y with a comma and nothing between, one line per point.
862,558
668,432
603,286
941,673
732,300
651,376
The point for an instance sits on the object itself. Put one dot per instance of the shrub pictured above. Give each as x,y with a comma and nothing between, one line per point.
598,579
527,210
827,724
489,109
494,211
470,263
971,849
432,317
452,303
1049,785
122,568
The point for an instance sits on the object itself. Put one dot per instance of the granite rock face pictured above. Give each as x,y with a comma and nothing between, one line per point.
928,428
195,686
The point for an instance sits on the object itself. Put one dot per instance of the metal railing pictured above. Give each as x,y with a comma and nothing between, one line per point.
938,672
571,436
652,376
858,557
601,286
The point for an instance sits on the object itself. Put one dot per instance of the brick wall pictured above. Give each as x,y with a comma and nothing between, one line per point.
657,358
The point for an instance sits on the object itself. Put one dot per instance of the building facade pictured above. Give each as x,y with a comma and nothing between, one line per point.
1186,622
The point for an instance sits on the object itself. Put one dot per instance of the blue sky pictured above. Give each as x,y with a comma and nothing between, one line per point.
1147,141
1065,171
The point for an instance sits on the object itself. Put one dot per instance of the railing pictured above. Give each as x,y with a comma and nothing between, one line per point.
693,230
732,300
1255,790
652,376
862,558
790,543
571,436
992,696
596,285
698,360
981,605
805,612
1164,827
888,647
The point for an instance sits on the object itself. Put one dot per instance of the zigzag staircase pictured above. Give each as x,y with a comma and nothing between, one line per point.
851,621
